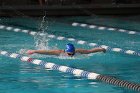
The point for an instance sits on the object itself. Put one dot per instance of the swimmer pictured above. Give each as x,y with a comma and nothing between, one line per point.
69,51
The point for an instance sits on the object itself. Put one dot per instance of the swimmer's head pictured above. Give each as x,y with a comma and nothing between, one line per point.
70,49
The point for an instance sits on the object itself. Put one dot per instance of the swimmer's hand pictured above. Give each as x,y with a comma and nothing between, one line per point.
104,50
30,52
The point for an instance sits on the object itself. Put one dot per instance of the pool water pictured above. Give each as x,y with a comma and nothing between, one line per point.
22,77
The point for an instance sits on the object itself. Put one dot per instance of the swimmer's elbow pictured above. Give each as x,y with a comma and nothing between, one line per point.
85,52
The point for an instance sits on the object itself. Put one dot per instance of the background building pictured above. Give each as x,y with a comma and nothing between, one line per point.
69,7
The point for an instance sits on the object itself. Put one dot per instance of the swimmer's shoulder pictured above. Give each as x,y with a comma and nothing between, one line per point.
55,52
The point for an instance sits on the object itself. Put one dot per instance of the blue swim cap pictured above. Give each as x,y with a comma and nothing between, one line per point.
70,48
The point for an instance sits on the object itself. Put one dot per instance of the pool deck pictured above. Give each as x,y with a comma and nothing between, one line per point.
70,10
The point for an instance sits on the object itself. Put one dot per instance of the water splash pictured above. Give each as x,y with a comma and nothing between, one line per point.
43,25
22,51
41,41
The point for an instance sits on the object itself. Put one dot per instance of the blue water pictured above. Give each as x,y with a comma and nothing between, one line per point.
22,77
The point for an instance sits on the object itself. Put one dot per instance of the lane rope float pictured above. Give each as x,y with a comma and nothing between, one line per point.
82,42
74,71
104,28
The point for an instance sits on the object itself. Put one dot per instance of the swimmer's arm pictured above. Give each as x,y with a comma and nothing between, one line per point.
47,52
93,50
